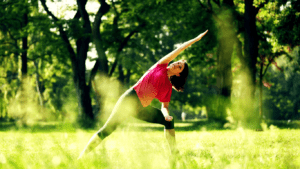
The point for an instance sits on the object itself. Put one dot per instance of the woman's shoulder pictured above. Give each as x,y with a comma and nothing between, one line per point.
161,64
161,67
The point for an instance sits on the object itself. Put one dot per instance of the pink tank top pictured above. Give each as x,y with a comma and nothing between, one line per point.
154,84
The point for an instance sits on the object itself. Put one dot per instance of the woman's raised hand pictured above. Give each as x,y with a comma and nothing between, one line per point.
201,35
172,55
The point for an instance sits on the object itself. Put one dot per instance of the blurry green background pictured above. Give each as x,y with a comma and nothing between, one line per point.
64,64
63,60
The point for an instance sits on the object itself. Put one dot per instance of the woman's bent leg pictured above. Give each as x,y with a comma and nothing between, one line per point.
154,115
170,136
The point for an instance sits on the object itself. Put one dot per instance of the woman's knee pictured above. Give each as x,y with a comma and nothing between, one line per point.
106,131
169,124
102,134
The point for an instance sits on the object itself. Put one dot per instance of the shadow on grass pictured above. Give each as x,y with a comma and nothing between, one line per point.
210,125
38,127
190,125
131,125
282,124
200,125
179,126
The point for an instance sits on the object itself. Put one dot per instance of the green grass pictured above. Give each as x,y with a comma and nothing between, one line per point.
140,145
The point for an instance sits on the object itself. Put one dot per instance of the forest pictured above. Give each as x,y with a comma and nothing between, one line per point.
69,61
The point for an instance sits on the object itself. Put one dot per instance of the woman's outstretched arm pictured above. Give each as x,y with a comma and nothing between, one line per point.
169,57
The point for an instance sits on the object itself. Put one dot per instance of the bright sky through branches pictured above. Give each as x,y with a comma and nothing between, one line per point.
67,10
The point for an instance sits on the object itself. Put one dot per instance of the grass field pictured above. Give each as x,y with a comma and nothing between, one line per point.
142,146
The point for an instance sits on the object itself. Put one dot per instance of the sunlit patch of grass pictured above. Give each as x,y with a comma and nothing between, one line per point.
130,148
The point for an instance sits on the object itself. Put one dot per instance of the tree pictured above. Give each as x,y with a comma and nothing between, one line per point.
13,27
287,12
223,14
281,101
78,58
276,43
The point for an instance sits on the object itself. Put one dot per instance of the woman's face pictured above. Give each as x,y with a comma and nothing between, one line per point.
177,67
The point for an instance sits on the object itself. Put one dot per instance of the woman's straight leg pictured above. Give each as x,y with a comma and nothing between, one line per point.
115,118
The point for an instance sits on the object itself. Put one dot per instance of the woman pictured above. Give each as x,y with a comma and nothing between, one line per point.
157,83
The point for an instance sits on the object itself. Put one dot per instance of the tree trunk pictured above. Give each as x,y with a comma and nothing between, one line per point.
251,43
37,80
23,75
261,90
102,59
251,53
224,54
121,74
24,46
127,77
86,115
224,73
83,90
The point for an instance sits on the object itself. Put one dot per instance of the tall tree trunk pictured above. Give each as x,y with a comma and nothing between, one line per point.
82,89
102,59
251,43
24,94
37,80
224,72
24,46
101,64
121,74
224,53
251,53
261,90
127,77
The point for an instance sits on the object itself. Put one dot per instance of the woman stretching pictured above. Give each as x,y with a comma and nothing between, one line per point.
157,83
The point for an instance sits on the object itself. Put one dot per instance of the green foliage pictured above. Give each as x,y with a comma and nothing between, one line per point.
282,100
287,23
47,50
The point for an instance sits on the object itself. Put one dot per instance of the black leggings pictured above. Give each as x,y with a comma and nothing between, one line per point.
119,114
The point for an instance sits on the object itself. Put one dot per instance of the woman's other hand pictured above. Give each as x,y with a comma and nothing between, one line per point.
168,118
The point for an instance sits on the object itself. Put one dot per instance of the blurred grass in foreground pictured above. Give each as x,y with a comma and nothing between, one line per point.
130,147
